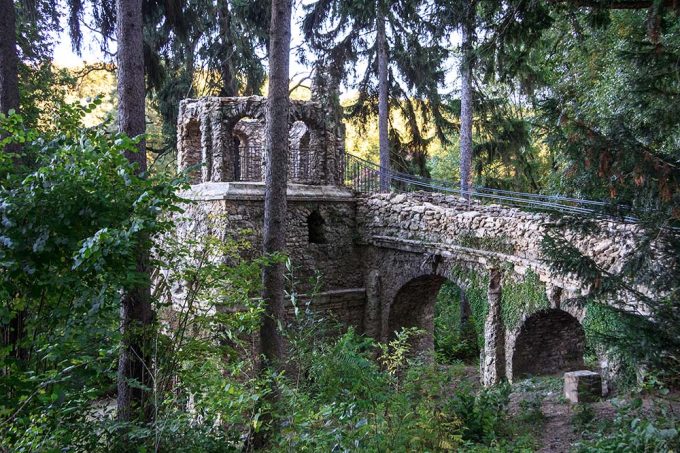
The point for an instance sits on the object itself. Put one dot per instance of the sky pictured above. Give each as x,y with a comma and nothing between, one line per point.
91,49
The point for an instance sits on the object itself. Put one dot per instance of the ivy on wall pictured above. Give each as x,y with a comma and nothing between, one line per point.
519,296
606,329
476,293
525,295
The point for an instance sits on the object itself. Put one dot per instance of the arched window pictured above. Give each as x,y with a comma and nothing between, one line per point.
247,149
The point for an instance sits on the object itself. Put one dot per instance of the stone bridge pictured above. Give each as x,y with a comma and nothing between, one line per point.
383,258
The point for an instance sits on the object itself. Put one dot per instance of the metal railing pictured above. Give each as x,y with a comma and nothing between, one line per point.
364,176
249,164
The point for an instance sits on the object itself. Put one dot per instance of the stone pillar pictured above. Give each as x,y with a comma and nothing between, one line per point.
493,357
206,151
222,146
372,318
317,157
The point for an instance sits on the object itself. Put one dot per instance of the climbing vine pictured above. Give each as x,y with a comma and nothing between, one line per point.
476,293
605,328
522,296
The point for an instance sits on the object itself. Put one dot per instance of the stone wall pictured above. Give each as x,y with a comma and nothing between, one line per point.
236,211
492,235
206,129
549,341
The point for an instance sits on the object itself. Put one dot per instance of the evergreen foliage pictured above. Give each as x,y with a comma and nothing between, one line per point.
343,34
575,98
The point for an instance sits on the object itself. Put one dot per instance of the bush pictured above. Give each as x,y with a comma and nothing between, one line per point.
635,430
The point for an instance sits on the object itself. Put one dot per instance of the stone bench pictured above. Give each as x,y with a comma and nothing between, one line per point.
582,386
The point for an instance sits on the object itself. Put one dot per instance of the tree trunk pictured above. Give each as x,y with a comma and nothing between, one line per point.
14,332
136,312
275,208
466,112
9,72
228,87
383,107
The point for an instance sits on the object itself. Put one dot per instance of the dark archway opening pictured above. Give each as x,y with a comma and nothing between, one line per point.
316,228
439,308
456,335
413,306
549,342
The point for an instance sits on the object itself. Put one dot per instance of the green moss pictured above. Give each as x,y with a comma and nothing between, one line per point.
605,327
518,296
524,296
476,293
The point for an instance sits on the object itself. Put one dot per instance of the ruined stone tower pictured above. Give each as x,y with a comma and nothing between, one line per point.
221,144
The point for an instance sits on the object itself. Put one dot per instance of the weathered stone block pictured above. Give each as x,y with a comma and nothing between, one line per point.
582,386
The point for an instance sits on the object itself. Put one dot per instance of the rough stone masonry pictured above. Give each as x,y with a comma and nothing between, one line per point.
377,262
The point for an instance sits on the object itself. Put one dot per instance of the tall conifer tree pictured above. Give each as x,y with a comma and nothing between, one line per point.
397,47
275,207
136,315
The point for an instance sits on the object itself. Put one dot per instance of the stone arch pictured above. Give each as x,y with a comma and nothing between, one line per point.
247,149
315,160
413,306
298,165
549,341
411,297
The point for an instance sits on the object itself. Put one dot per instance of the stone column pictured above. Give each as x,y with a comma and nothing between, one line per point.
493,357
317,157
206,151
372,318
222,146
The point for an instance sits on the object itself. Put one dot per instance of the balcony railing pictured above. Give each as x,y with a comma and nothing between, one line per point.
249,162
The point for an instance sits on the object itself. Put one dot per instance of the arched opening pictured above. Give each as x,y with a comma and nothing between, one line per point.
247,138
298,165
456,336
315,228
440,308
549,342
413,306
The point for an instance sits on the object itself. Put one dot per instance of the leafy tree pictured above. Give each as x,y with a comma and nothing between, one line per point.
609,107
9,72
73,225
